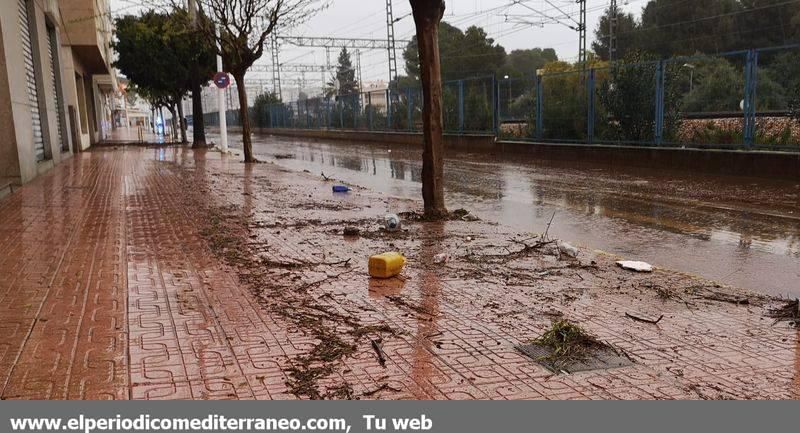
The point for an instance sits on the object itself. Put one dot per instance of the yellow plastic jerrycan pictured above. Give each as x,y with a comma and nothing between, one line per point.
386,265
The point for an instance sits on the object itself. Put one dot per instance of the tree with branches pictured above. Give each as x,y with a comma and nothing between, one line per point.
241,28
155,51
427,16
343,80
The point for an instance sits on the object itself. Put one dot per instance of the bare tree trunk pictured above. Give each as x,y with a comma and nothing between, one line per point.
182,123
198,122
247,142
173,129
427,16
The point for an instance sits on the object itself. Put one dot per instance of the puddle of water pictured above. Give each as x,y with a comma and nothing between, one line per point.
739,231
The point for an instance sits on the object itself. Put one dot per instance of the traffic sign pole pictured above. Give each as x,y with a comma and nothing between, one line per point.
223,121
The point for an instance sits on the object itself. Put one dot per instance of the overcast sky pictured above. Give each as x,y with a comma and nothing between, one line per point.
367,19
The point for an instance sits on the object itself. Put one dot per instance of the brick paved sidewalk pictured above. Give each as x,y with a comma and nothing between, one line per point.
163,273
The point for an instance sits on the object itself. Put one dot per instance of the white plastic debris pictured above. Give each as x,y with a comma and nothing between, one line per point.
392,222
567,249
633,265
441,258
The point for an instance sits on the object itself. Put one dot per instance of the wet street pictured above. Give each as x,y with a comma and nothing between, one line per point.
159,272
739,231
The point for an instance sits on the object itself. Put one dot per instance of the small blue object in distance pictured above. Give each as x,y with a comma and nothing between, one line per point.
340,188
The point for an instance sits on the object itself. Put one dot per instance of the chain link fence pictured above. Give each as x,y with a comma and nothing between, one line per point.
745,99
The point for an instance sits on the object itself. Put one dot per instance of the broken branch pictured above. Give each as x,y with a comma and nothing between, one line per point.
376,345
643,319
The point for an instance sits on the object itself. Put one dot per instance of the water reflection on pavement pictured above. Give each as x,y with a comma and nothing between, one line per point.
739,231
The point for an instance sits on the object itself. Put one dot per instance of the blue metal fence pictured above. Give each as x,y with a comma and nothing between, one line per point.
726,100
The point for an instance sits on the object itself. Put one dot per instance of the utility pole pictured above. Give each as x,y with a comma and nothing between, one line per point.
328,57
612,31
391,43
223,121
582,33
358,70
276,67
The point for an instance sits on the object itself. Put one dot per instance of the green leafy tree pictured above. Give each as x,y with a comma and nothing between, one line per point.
671,27
626,32
563,102
525,63
718,85
794,103
676,27
629,96
477,110
261,112
466,54
346,74
155,51
766,23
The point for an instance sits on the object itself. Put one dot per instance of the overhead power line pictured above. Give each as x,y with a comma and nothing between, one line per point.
290,68
390,41
327,42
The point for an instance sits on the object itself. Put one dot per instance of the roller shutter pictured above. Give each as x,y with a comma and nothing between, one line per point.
30,79
52,52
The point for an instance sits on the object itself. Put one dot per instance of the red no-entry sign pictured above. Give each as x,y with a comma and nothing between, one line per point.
222,80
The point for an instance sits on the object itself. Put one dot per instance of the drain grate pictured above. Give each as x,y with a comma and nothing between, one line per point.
601,358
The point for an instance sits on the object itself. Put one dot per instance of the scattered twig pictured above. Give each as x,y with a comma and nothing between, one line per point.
341,262
643,319
321,281
397,300
619,350
376,345
721,297
548,226
384,387
324,177
789,312
711,295
511,255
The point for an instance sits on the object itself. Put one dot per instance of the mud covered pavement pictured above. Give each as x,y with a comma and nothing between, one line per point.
154,273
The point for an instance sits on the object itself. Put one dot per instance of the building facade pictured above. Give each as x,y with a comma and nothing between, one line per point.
56,82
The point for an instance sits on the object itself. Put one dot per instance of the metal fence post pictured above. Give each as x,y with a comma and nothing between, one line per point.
496,105
340,107
750,84
356,109
410,110
389,109
460,105
328,121
539,106
659,108
590,106
369,109
308,115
